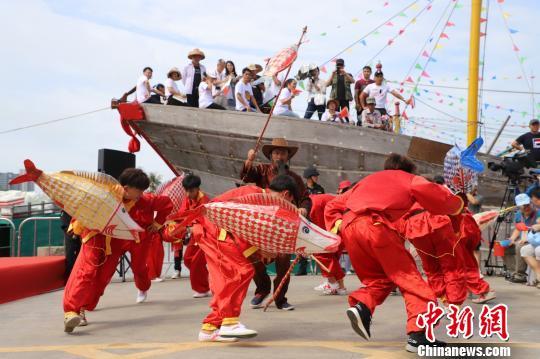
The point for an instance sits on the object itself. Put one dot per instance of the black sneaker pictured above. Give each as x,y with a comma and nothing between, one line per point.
360,318
285,306
419,338
257,300
518,279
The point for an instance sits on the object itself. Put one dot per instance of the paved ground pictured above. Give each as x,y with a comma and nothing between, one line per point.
166,326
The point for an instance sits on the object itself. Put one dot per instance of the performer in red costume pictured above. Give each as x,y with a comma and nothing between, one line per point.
228,265
333,284
365,217
435,242
194,257
156,254
470,237
100,254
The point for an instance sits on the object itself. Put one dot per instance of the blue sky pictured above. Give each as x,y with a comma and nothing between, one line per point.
66,57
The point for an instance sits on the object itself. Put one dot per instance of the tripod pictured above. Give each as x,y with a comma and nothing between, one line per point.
507,201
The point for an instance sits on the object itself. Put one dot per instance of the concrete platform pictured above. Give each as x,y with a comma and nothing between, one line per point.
167,325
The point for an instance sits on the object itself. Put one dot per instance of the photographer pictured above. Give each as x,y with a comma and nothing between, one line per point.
341,86
530,140
316,89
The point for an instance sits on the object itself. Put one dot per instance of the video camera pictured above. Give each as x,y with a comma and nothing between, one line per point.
514,167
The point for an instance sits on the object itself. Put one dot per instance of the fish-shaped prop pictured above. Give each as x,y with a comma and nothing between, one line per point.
93,198
281,61
269,223
485,219
461,167
174,190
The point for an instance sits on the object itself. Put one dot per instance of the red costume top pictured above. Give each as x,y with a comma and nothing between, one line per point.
390,194
263,174
189,204
318,203
418,222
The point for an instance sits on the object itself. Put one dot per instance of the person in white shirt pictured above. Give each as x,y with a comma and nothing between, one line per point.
206,87
283,105
379,92
331,114
316,89
244,94
144,89
172,93
192,75
372,117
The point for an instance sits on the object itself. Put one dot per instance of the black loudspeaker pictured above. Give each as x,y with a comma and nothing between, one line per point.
5,240
113,162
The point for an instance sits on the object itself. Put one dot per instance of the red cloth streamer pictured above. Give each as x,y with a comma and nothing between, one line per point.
131,112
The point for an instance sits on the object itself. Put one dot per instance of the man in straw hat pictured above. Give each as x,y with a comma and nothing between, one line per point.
192,76
172,93
279,153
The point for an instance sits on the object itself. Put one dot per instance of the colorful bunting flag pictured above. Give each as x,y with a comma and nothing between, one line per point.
515,47
323,69
424,74
301,84
409,79
449,24
444,36
506,15
323,33
522,59
363,42
425,53
418,67
354,20
389,23
513,31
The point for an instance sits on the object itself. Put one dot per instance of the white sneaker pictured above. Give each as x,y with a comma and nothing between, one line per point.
236,331
330,289
215,337
202,295
141,296
342,291
320,287
158,280
175,275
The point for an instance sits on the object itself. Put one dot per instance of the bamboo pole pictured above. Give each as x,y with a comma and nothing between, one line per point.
474,54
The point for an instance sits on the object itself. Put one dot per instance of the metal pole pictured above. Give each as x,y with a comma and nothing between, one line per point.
474,54
498,134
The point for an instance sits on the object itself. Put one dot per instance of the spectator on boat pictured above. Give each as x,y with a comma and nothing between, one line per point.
192,75
379,91
172,93
531,140
144,89
331,114
159,94
359,86
230,72
371,117
219,83
206,87
311,174
243,93
257,83
341,81
284,102
316,88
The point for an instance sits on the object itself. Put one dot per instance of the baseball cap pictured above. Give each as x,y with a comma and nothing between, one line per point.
534,121
340,62
522,199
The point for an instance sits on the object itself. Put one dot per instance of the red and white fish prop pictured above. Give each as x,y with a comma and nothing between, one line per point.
174,190
485,219
94,199
281,61
271,224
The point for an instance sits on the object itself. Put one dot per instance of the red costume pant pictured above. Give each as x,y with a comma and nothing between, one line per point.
156,253
381,261
93,270
195,260
230,274
441,264
470,239
331,261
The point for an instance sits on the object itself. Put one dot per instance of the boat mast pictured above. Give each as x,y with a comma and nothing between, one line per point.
474,54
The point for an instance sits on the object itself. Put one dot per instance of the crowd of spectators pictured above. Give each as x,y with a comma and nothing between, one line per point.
223,88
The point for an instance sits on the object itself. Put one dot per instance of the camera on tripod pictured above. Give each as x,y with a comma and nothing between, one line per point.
514,167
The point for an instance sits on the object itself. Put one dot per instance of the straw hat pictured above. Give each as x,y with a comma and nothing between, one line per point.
173,70
195,52
335,103
255,68
279,143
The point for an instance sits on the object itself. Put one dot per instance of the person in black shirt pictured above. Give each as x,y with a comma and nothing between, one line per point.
312,176
530,140
72,243
341,81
